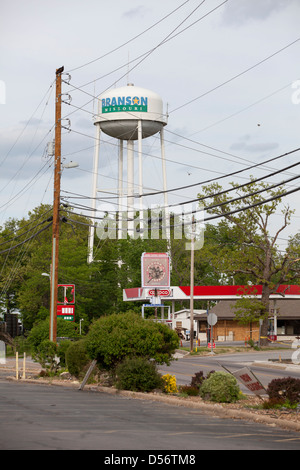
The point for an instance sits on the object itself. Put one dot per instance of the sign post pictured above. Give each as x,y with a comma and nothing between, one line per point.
212,320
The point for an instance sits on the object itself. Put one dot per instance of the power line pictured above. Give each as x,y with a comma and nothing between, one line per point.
27,240
216,178
235,76
259,191
142,57
130,40
243,209
24,233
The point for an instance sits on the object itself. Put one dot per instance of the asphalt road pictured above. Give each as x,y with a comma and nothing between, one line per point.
44,417
185,367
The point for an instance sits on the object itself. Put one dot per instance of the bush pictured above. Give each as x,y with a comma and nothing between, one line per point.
138,375
61,352
77,359
220,387
114,337
45,354
285,389
198,378
169,382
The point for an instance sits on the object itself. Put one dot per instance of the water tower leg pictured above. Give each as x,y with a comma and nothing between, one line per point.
140,176
120,190
94,195
166,223
130,187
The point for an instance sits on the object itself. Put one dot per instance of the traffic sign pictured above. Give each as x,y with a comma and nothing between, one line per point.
212,319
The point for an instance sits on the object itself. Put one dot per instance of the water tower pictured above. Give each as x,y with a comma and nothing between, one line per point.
129,114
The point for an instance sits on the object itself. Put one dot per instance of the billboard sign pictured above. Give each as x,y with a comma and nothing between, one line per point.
155,270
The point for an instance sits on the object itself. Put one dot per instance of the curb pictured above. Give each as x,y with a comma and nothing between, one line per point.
280,365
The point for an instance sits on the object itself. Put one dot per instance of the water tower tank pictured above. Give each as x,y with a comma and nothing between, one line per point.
121,109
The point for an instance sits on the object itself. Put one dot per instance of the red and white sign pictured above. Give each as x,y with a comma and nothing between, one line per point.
155,270
209,292
66,311
67,293
249,380
159,292
209,345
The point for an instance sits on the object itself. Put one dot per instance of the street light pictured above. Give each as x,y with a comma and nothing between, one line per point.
81,319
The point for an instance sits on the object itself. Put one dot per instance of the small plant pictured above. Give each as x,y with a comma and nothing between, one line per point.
138,375
220,387
273,403
170,385
46,355
285,389
279,403
189,390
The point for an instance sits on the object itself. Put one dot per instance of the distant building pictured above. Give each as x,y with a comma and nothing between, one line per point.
284,325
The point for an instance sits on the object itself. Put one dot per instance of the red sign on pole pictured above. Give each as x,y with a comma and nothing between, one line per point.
67,312
155,270
66,302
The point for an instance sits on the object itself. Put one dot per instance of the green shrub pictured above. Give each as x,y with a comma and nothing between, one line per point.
285,389
46,354
114,337
61,352
198,378
77,359
220,387
138,375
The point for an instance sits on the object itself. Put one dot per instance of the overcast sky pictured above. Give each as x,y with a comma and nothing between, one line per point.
227,73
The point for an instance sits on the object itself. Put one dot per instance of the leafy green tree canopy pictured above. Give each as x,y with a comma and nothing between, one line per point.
117,336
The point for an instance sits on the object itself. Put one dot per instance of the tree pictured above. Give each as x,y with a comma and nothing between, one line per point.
252,250
117,336
40,331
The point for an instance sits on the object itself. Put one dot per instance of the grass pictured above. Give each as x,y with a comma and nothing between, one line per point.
204,350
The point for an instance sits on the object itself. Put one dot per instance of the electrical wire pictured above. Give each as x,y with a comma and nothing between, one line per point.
235,76
259,203
142,57
49,90
220,177
259,191
130,40
24,233
27,240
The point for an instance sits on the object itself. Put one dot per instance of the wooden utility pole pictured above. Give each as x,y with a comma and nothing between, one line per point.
192,288
56,204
